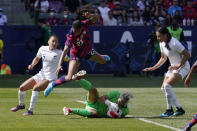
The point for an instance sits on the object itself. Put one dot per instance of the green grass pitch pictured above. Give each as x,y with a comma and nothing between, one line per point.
148,103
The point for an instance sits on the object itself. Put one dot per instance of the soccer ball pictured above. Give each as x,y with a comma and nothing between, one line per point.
114,112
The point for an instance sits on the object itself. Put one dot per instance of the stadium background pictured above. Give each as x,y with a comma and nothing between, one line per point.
106,40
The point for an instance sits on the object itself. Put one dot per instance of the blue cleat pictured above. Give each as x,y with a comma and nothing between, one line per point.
179,112
48,90
168,113
107,58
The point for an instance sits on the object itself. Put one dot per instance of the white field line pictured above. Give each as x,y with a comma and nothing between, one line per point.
144,120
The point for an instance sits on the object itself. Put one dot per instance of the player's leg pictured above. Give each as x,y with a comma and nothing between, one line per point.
172,80
34,97
169,111
92,96
101,59
28,84
191,123
72,68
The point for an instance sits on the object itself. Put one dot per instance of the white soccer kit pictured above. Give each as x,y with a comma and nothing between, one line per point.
175,57
50,60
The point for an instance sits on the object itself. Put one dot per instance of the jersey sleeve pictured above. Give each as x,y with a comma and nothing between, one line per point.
125,111
161,49
178,46
113,96
87,22
39,53
68,41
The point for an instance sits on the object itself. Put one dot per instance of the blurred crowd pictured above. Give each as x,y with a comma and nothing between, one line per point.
116,12
113,12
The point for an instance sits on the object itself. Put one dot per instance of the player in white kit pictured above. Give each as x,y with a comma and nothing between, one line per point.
50,57
179,67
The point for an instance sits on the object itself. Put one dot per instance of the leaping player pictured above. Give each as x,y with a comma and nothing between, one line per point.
78,41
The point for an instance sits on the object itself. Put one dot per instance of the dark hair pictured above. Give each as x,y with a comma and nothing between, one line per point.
80,14
164,31
76,24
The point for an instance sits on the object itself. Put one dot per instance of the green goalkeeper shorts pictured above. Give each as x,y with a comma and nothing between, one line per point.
98,106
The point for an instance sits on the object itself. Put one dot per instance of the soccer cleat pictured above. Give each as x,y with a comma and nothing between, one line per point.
187,128
66,111
168,113
28,113
18,107
79,75
48,90
179,112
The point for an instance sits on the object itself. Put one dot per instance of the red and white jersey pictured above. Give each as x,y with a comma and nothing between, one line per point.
174,54
50,60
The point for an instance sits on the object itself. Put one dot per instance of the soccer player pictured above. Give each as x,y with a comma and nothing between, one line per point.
97,106
188,80
50,56
179,67
78,42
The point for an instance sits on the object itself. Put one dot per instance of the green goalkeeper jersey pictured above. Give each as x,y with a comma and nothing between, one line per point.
102,108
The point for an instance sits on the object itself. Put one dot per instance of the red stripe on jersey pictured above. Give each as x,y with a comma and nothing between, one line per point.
68,43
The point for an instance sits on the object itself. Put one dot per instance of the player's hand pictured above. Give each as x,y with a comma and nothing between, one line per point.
59,68
149,69
30,67
188,80
173,67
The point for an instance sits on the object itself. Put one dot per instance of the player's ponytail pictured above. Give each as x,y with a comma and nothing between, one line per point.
164,31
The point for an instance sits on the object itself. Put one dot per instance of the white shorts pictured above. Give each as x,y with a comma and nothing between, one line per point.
41,76
183,71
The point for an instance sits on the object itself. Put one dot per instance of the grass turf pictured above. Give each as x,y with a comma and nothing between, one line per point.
148,103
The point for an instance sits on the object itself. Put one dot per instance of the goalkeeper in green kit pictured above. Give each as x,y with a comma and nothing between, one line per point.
113,104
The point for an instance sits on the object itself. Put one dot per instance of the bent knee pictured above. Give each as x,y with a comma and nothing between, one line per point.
22,88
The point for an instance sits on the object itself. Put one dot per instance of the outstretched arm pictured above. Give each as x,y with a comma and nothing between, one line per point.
65,51
34,62
161,61
93,18
188,79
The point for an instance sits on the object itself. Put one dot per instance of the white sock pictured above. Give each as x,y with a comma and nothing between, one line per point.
168,95
21,97
34,98
173,96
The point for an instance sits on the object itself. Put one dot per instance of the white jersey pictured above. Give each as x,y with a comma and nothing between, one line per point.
50,60
174,54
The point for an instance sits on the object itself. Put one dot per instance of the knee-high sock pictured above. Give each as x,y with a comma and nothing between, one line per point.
34,98
59,81
172,95
193,121
81,112
21,97
85,84
168,96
